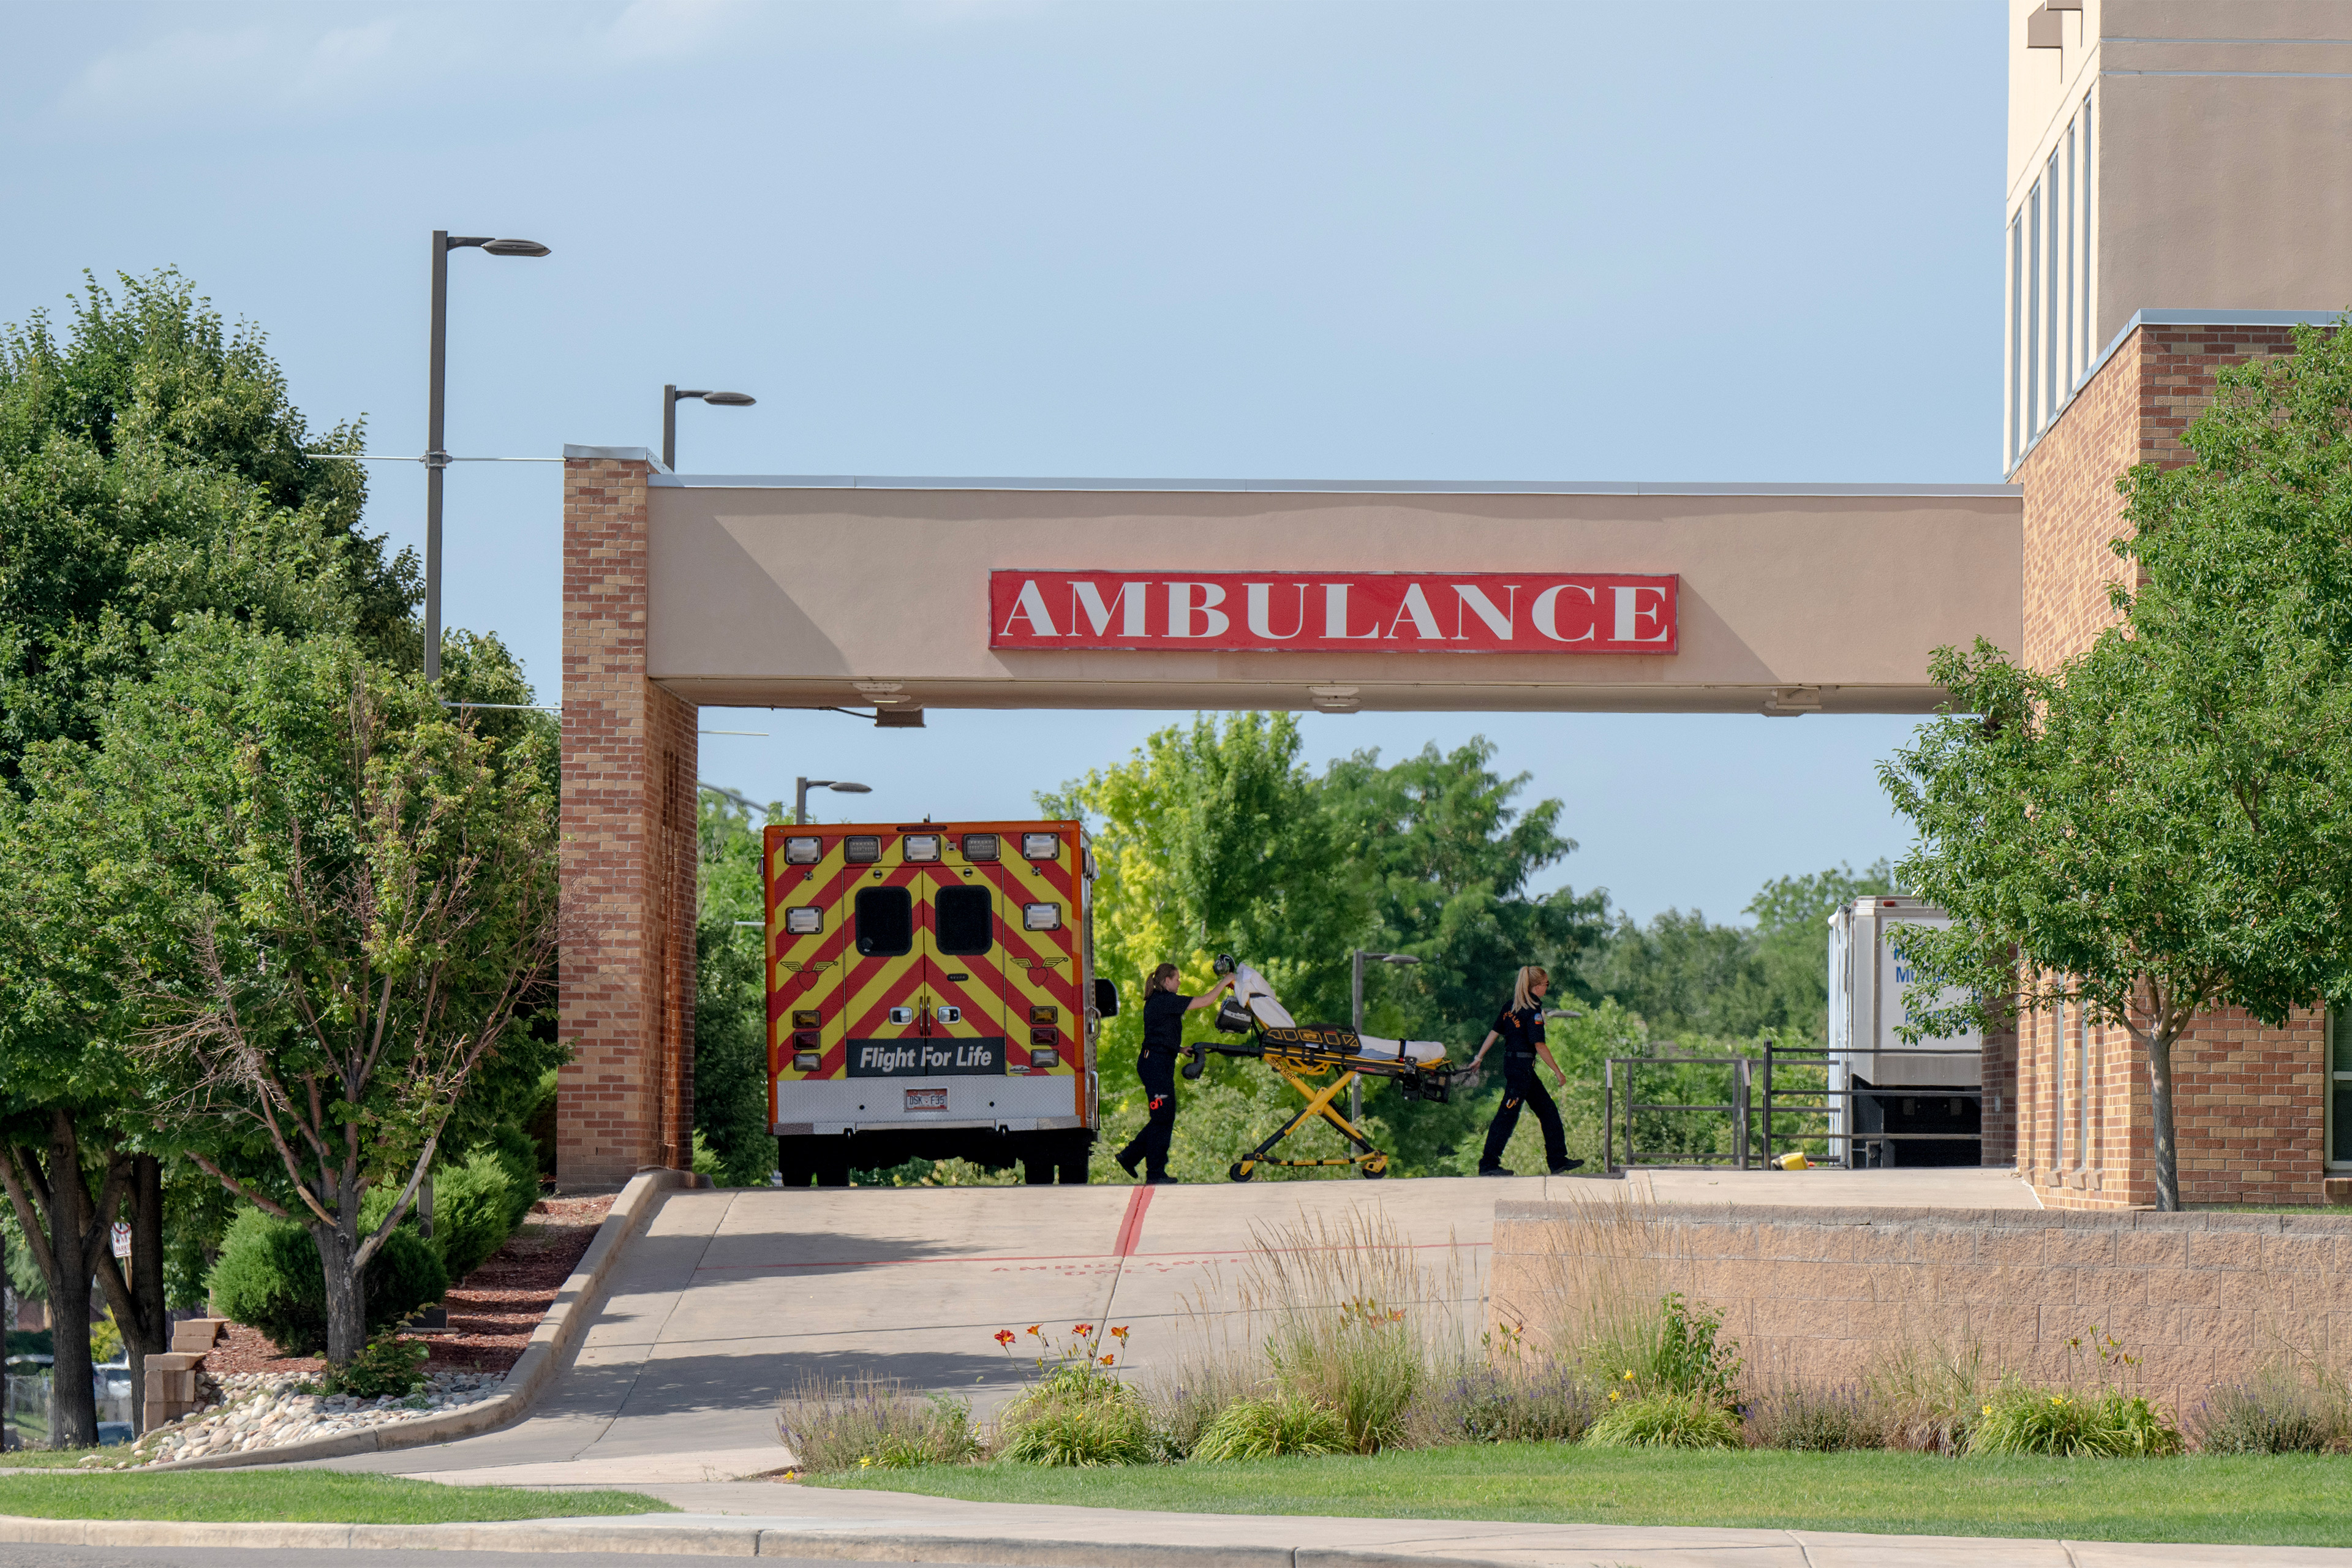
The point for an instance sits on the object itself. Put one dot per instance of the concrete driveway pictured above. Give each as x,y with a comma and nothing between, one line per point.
730,1298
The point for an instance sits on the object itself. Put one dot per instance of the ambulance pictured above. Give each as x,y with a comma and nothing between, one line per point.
931,995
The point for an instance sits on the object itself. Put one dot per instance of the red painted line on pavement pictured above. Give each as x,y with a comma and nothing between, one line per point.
1131,1226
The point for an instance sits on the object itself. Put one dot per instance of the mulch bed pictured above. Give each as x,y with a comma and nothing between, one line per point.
491,1316
494,1314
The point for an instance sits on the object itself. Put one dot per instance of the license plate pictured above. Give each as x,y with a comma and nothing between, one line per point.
926,1099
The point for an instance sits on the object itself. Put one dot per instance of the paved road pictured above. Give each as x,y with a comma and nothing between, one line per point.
732,1297
244,1557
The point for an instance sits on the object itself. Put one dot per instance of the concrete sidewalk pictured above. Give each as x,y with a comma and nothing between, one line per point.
773,1520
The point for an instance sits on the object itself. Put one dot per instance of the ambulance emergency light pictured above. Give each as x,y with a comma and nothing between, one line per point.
804,921
1040,917
802,851
1041,846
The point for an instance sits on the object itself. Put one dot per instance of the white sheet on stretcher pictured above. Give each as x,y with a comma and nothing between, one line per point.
1255,994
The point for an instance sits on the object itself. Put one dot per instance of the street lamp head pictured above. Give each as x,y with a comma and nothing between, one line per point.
845,787
729,399
515,247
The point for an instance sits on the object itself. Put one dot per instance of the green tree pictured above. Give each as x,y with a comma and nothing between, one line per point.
151,464
2162,826
730,997
342,900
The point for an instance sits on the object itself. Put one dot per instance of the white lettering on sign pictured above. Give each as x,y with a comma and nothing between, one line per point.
1584,612
122,1239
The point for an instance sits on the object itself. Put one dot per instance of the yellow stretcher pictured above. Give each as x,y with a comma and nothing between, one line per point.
1306,1056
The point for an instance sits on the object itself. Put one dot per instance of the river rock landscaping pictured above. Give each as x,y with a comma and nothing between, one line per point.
271,1410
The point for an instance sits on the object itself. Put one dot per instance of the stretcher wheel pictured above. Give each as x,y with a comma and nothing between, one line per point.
1239,1171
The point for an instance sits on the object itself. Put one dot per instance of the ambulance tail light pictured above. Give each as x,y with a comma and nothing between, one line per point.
802,851
808,1061
1044,1037
1044,1057
1040,917
861,850
1044,1014
807,921
980,847
807,1019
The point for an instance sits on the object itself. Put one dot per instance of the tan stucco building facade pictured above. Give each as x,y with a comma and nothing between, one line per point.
2155,148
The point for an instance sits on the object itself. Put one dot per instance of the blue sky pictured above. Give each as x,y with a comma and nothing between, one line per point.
1353,240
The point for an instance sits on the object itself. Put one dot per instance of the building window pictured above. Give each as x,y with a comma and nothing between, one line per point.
2074,194
2084,188
2339,1086
2016,341
2033,310
2051,309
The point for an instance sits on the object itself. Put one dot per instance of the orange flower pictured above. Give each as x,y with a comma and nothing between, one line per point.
1033,1330
1004,1336
1109,1359
1119,1332
1083,1329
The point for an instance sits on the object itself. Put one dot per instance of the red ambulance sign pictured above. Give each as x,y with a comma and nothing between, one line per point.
1334,612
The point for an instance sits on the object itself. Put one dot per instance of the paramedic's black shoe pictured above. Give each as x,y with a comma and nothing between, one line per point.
1496,1171
1126,1163
1565,1166
1163,1180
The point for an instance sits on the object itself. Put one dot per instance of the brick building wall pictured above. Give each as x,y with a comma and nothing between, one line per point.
2248,1111
627,1003
1824,1294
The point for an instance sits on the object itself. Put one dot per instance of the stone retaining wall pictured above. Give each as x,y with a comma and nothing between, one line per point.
2201,1298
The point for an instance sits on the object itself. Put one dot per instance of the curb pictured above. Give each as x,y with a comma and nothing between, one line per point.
710,1540
558,1330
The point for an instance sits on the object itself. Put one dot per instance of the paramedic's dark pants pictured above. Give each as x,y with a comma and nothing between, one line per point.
1158,1071
1520,1086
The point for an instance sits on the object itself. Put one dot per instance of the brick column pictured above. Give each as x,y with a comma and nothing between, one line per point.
626,1008
2248,1113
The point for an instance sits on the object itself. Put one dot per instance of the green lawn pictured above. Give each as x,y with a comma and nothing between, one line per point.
309,1497
2281,1501
58,1458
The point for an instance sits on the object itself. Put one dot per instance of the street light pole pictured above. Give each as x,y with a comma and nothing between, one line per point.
437,459
1356,1017
672,396
802,786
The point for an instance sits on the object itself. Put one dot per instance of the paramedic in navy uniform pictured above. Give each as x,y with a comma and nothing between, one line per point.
1520,1028
1164,1008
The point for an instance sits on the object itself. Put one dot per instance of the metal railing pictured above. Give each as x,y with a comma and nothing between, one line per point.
1774,1099
1869,1142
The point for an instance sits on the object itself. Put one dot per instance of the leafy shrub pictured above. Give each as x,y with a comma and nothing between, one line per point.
871,1422
105,1340
387,1365
2021,1420
1078,1414
269,1277
1665,1421
1263,1428
1678,1349
2269,1415
476,1206
1543,1403
1814,1420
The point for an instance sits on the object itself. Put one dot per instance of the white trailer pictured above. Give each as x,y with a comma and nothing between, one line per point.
1878,1084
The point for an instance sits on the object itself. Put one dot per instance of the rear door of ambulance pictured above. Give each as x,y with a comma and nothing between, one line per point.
1045,926
809,884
